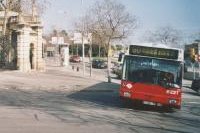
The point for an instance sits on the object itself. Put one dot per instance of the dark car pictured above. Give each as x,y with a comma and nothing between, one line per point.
185,68
100,64
196,85
117,69
75,58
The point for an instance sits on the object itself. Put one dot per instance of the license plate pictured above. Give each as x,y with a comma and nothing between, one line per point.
127,94
149,103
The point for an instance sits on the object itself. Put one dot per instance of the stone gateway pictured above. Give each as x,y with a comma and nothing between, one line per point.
25,34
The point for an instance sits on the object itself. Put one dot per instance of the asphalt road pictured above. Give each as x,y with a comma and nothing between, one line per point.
94,108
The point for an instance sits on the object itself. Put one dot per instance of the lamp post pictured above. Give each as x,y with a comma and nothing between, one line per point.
82,36
90,51
83,53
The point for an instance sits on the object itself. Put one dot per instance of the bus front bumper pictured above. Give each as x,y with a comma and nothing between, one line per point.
150,99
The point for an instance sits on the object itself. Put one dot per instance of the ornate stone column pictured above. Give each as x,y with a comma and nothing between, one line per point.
23,48
39,59
65,56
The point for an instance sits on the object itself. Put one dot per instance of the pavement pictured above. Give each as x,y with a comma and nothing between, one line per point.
30,102
62,100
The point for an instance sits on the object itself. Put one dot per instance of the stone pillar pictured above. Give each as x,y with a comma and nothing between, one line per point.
39,59
23,49
65,56
34,56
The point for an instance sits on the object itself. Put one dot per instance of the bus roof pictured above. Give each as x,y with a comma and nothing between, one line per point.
156,45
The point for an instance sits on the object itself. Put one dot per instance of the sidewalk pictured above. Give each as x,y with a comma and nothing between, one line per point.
187,82
21,120
46,102
55,78
97,74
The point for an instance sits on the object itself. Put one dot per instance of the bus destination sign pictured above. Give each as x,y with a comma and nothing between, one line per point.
154,52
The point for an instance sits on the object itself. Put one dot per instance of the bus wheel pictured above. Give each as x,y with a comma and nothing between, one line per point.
178,107
137,103
122,99
125,102
167,108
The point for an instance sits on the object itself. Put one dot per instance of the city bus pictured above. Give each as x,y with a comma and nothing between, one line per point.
153,75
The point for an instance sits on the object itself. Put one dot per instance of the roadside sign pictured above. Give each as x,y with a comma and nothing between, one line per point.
198,58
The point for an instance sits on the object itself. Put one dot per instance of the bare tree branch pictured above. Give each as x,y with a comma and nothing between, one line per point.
165,35
109,21
24,6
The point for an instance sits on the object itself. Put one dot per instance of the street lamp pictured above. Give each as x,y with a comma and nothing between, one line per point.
90,51
83,46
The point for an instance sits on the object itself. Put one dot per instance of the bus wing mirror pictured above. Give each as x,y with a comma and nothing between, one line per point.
120,57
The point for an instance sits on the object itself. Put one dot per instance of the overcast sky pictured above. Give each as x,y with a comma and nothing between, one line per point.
183,15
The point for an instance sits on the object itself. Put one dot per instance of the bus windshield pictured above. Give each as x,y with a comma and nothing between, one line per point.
165,73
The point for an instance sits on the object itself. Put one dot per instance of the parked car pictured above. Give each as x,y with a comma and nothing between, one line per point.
100,64
196,85
75,58
117,69
185,69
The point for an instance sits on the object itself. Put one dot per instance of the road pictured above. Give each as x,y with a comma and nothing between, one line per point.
61,100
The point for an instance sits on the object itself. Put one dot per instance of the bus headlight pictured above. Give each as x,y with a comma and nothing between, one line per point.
129,86
172,101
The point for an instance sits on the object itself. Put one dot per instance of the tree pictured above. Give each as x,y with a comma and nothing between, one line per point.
108,21
55,32
165,35
6,6
111,22
196,37
41,5
21,6
64,33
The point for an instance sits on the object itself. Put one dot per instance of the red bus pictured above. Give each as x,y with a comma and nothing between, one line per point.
153,75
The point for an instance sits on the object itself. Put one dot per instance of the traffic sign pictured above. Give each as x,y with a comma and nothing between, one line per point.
198,58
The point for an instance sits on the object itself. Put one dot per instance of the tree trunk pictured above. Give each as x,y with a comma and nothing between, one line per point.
109,63
72,48
90,54
77,49
5,21
99,51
